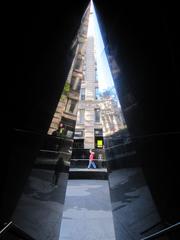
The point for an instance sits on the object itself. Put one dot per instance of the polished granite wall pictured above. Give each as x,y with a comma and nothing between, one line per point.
39,210
134,211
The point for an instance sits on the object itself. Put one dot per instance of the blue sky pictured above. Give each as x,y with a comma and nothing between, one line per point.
103,70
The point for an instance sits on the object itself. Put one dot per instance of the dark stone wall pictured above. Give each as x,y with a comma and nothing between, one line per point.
144,41
37,59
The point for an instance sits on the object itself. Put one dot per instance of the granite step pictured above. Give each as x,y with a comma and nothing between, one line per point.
85,173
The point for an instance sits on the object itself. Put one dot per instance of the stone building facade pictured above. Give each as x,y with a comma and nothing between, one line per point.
88,132
111,116
66,111
80,108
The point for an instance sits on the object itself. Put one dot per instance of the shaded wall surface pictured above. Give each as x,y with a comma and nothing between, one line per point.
38,58
40,208
130,197
145,45
144,42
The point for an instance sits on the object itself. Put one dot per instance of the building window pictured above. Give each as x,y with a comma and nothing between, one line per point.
73,79
96,93
78,64
69,134
96,76
75,83
81,115
98,132
97,115
78,85
82,94
72,106
79,133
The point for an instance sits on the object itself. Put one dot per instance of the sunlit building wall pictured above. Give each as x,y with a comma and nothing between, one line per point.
112,117
88,124
67,107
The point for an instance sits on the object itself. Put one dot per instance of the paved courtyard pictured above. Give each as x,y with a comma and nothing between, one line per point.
87,211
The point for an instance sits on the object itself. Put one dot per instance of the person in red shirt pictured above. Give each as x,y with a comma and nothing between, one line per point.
91,159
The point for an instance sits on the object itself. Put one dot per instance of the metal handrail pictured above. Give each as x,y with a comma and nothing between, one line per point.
162,232
15,229
40,134
5,229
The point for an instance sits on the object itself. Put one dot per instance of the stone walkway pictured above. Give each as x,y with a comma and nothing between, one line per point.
87,211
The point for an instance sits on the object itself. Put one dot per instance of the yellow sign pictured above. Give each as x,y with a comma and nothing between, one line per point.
99,143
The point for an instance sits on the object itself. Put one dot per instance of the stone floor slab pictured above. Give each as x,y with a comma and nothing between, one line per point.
87,211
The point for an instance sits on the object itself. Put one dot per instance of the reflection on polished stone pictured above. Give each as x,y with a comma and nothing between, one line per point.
40,208
134,211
